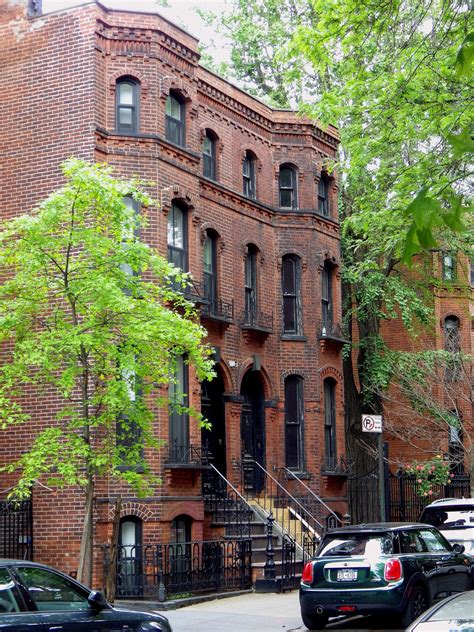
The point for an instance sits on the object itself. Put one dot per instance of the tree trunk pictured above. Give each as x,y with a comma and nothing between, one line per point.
110,580
85,567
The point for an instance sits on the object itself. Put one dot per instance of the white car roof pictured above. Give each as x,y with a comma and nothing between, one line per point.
451,501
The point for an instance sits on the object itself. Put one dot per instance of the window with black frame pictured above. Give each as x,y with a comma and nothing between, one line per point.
248,175
251,283
179,418
288,184
129,435
294,417
126,106
209,156
452,344
326,296
177,237
175,121
210,268
323,195
330,455
291,282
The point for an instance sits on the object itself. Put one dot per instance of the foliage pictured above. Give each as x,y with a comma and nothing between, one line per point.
88,315
430,473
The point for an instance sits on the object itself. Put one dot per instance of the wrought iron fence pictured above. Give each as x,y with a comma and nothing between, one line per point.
188,454
254,319
228,508
217,308
16,529
406,503
163,570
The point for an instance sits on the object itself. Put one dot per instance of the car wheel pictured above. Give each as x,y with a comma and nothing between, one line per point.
417,603
315,621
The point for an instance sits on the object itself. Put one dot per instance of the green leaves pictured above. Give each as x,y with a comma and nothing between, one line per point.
465,57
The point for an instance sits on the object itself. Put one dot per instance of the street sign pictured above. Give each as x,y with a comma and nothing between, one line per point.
371,423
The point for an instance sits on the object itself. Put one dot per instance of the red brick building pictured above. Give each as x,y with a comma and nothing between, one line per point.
245,204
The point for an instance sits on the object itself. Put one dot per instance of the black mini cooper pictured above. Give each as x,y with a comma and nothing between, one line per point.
383,568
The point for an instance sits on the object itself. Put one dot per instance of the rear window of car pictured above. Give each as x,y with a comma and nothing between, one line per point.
458,517
367,544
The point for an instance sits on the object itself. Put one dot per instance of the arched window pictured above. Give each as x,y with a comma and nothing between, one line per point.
175,128
287,184
291,285
180,529
452,344
248,174
294,416
209,156
130,559
177,237
330,454
210,267
251,283
179,420
126,106
323,195
326,295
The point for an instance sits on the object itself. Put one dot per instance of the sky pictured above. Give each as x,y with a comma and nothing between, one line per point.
180,12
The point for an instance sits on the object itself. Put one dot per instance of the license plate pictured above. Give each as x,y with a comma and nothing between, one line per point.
346,575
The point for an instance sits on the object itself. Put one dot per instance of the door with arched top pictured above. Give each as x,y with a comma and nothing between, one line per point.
252,431
130,561
212,408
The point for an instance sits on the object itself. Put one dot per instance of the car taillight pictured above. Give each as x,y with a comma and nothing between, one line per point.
307,576
393,570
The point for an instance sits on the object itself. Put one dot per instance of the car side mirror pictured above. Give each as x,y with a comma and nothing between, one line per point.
97,600
459,548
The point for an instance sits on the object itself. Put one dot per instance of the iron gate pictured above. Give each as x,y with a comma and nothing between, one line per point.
16,529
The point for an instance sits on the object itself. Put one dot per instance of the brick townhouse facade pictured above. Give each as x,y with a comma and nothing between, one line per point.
246,204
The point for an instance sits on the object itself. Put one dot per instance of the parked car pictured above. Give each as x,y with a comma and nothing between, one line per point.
382,568
453,613
454,517
36,598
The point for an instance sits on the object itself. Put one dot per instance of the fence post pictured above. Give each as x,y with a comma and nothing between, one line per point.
161,584
269,583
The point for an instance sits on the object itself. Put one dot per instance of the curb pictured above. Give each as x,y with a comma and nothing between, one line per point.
174,604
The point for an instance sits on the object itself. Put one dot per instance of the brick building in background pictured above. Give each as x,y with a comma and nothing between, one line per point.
245,205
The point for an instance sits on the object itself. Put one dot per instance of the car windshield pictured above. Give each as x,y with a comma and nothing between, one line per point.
458,517
366,544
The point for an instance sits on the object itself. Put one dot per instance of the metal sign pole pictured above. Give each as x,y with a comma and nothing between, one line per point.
383,515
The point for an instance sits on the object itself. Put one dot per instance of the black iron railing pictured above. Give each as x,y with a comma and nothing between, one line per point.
190,455
225,503
256,320
163,570
218,309
334,465
331,330
16,529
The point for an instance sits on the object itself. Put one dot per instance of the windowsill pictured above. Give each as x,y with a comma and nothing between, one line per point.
140,135
131,468
302,476
334,472
186,466
294,337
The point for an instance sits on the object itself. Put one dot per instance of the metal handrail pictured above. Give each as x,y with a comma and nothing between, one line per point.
320,500
236,491
289,495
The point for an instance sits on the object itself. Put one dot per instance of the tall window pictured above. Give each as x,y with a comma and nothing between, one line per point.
326,295
179,420
455,445
126,106
287,183
248,174
323,195
175,120
209,156
129,435
210,266
330,423
290,281
294,415
251,281
449,267
452,343
177,237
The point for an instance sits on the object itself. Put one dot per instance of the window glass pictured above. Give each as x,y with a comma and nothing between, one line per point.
357,544
177,237
294,422
450,518
291,298
248,174
8,601
126,94
209,157
51,592
287,187
330,422
251,280
174,120
433,541
126,106
449,267
209,265
326,295
178,419
323,195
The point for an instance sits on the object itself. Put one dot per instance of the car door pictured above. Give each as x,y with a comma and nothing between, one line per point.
62,605
14,616
453,569
412,544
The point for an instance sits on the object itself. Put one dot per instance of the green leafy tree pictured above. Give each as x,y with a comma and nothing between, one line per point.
87,314
396,79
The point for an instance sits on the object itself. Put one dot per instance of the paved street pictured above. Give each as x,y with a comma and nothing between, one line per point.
257,613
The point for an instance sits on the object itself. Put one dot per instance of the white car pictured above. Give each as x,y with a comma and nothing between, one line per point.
454,517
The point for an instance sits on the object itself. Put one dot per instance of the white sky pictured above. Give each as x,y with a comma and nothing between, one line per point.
180,12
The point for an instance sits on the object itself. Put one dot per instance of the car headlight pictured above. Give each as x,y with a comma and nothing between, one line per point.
147,626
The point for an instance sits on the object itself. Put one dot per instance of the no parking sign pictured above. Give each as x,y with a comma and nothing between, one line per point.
371,423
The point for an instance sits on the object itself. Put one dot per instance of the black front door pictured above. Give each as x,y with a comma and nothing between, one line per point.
252,430
212,407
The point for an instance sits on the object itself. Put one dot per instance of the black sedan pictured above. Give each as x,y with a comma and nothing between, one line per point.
36,598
